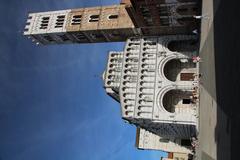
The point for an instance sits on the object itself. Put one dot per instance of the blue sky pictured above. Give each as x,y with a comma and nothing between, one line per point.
52,106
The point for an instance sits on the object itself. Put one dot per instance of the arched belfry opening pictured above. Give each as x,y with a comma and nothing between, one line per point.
175,100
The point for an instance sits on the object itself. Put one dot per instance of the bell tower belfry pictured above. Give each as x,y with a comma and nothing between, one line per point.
83,25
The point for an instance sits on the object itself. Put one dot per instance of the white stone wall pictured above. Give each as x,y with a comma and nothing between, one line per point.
35,20
113,70
112,73
148,140
143,86
136,77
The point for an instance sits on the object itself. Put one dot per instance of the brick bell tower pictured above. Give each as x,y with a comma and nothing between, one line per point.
83,25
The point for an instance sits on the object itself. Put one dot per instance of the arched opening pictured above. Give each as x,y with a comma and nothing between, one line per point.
113,17
175,70
94,18
183,45
175,100
76,19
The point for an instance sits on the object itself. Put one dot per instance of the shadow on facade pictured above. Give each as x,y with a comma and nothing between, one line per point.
227,66
183,45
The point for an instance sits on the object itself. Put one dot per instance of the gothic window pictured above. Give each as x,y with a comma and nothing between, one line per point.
145,11
44,22
163,10
76,20
94,18
60,21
